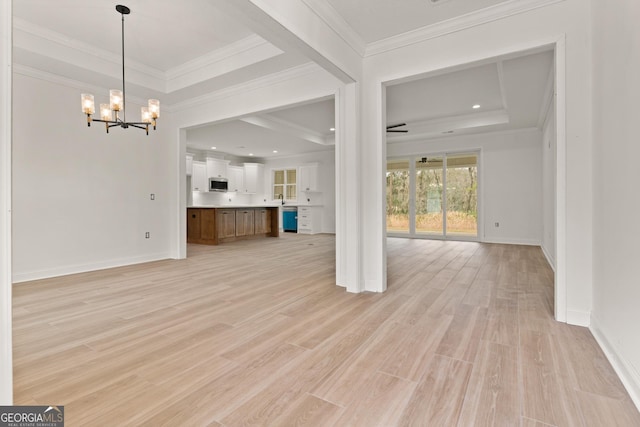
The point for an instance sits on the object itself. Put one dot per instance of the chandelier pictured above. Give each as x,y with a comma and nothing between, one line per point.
110,113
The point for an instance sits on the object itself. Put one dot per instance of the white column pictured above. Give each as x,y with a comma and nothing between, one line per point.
374,166
6,360
181,244
348,212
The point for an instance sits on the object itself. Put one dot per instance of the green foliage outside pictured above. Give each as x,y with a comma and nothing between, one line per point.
462,200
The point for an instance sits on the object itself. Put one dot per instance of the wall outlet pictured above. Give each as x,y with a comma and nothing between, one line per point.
147,235
497,224
153,196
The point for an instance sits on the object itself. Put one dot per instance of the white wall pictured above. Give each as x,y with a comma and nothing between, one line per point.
81,198
616,65
567,23
6,349
326,181
510,181
549,187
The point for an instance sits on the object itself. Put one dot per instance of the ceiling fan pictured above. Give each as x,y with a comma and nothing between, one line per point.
392,128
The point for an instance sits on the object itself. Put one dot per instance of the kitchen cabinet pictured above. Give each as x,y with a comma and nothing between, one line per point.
236,178
309,219
211,226
216,168
308,177
226,219
193,225
201,226
245,222
262,218
253,178
199,180
189,165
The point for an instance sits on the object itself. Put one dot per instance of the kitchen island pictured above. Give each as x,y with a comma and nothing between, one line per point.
214,225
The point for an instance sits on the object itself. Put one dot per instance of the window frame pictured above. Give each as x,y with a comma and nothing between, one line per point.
286,185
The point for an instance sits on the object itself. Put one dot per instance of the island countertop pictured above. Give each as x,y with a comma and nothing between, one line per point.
234,206
277,205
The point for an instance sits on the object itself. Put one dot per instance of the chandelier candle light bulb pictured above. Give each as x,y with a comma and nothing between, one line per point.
115,100
109,112
105,112
88,104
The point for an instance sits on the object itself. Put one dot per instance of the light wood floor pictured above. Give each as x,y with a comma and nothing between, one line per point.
256,333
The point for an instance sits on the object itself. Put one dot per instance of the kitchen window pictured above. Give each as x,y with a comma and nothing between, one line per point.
285,184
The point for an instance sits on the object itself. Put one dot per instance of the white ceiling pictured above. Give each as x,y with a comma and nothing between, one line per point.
155,30
293,130
176,51
512,93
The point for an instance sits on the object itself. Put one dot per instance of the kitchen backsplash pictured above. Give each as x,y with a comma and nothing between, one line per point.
222,199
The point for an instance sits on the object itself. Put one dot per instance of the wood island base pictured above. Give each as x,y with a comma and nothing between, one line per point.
212,226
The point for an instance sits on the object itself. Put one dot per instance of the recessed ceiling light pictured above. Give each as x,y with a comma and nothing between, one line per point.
213,148
275,151
251,154
332,129
475,106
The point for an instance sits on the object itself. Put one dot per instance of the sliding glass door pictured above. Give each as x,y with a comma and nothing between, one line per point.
429,173
433,196
462,195
398,196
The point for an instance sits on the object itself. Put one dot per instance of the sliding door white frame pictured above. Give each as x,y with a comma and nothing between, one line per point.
412,234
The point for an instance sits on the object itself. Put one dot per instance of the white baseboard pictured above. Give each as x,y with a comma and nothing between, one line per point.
511,241
83,268
626,372
372,285
579,318
551,260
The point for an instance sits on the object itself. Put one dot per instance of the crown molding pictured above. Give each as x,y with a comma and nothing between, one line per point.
252,42
337,23
87,49
76,84
50,44
265,81
441,138
435,127
268,121
469,20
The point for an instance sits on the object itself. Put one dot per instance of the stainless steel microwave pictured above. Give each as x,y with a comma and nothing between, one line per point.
218,184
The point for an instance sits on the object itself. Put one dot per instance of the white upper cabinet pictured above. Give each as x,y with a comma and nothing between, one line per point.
253,178
199,180
236,178
308,177
216,168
